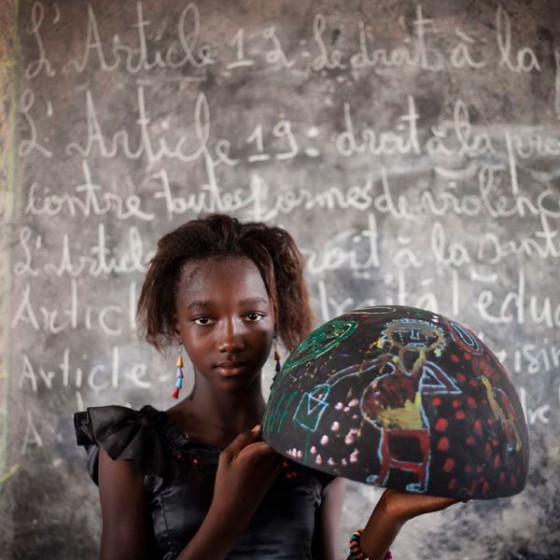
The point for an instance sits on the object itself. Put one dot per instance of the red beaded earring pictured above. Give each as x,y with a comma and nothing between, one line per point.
179,377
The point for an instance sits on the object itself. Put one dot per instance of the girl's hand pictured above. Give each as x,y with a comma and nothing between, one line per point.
246,470
402,506
391,512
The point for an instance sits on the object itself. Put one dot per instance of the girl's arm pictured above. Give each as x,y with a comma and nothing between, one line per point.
392,511
126,532
327,517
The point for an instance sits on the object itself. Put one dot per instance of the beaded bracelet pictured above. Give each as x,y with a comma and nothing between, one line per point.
356,552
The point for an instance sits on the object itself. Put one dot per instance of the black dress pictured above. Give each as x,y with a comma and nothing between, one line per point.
179,481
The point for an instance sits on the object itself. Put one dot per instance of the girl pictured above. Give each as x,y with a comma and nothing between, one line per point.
197,481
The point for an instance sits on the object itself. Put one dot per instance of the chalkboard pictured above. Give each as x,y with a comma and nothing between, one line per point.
411,148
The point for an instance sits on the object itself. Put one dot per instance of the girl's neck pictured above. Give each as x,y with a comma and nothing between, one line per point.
217,418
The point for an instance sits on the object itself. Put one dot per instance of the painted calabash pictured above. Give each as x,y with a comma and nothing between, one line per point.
401,398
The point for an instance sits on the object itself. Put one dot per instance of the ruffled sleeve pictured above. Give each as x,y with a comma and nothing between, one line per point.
124,433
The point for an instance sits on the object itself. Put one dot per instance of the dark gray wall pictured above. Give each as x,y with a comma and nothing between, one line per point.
412,149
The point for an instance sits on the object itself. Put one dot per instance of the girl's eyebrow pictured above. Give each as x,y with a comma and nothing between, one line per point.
199,303
250,301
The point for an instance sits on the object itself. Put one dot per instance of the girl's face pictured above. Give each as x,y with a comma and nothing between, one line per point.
225,320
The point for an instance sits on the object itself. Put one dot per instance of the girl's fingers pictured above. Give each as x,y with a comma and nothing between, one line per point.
241,441
258,452
249,446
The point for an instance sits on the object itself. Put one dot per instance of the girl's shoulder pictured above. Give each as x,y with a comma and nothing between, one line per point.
147,436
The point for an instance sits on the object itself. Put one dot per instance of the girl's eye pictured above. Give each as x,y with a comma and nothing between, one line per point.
254,316
202,320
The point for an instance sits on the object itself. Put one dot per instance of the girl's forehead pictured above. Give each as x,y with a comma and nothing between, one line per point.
228,274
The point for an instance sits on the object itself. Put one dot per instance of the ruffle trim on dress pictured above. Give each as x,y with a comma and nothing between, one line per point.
130,434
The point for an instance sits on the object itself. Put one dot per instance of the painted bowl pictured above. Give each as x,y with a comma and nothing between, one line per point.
402,398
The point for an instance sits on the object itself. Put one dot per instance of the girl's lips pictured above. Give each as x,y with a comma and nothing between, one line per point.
231,369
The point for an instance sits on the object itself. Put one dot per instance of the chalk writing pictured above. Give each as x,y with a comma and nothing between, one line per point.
362,242
27,146
448,254
96,377
534,359
239,42
325,60
405,287
277,55
532,143
411,150
31,436
143,51
282,131
518,306
185,51
404,152
524,60
387,142
533,414
152,149
90,200
461,56
42,63
110,319
205,200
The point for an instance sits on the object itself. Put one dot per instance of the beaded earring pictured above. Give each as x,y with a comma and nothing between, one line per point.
278,366
179,377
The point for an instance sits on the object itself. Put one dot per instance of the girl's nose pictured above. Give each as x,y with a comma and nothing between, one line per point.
231,337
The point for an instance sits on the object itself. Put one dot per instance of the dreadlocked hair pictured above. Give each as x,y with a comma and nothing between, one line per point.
271,249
